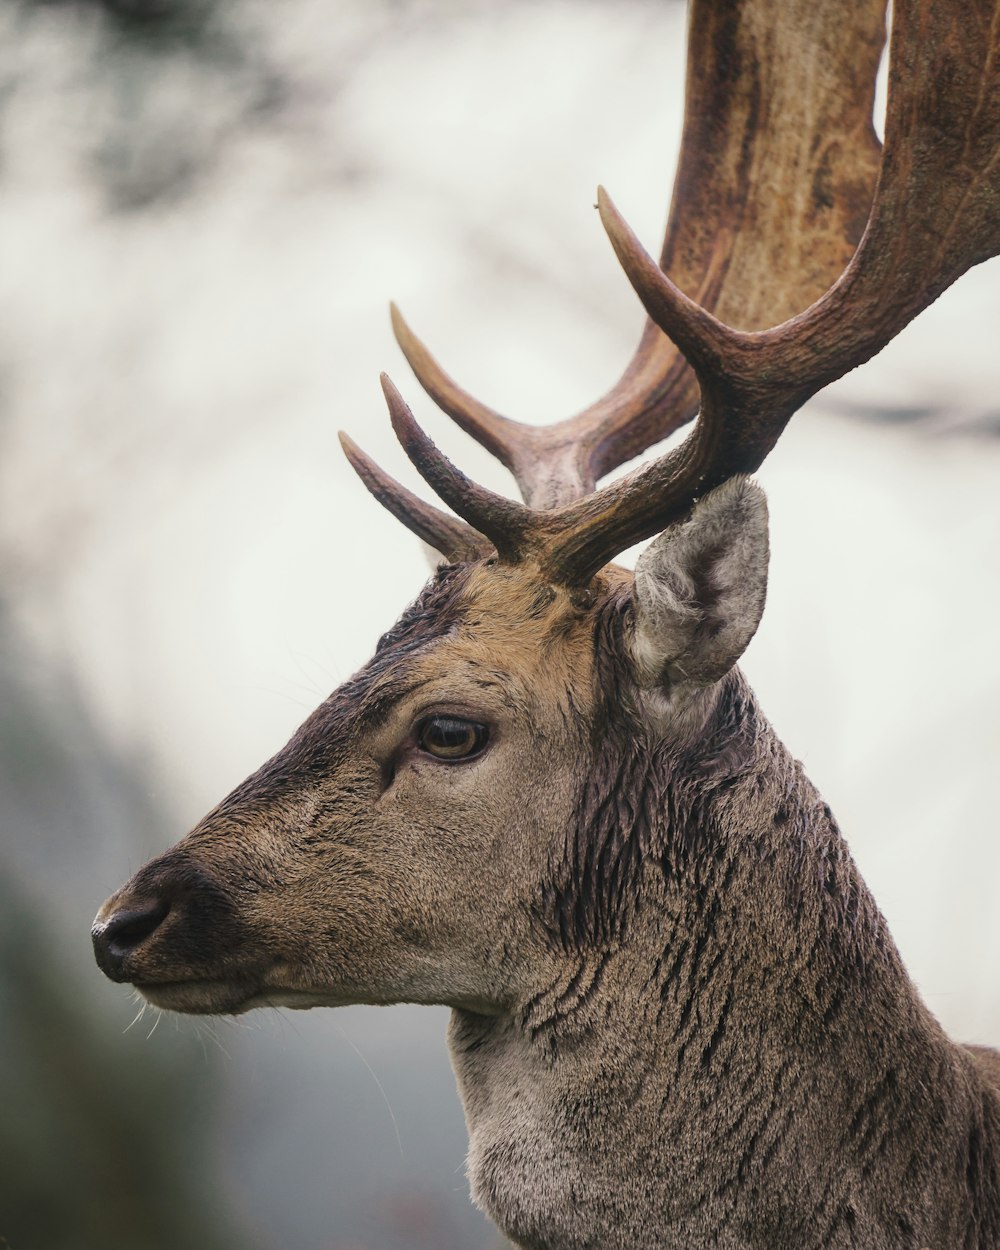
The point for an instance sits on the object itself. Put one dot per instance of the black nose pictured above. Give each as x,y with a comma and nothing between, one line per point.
123,931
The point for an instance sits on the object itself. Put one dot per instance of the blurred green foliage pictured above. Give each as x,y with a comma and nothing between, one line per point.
94,1154
104,1143
160,25
151,90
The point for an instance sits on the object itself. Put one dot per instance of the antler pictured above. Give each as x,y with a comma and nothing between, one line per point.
935,214
742,235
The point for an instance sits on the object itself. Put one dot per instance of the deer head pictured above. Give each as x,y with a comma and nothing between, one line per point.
549,800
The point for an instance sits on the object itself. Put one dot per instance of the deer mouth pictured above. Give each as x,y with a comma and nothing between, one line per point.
160,945
229,998
174,933
200,997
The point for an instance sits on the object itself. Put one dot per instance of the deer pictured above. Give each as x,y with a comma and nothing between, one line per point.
551,802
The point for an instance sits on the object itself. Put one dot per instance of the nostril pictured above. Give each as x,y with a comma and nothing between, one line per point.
126,929
123,931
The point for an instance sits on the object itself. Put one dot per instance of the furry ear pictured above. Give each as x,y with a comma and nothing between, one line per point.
700,588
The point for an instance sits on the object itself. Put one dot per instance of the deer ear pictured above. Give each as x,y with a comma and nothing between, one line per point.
700,588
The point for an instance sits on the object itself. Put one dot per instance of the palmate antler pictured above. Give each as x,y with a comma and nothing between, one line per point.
777,166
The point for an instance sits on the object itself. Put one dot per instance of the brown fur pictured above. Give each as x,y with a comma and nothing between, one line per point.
679,1017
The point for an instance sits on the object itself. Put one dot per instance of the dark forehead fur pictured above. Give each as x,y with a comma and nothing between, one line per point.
435,612
363,700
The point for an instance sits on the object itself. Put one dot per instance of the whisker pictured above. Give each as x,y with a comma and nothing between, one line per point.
137,1017
381,1088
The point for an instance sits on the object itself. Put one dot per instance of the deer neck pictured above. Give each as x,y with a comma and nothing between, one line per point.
727,1068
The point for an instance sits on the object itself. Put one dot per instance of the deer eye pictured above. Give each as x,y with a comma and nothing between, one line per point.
450,738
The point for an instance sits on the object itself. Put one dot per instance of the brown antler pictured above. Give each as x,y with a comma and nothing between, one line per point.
453,538
935,214
747,233
744,235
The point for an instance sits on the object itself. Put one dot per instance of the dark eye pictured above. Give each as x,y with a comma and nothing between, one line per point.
449,738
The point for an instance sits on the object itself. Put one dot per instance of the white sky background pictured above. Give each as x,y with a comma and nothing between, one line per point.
181,531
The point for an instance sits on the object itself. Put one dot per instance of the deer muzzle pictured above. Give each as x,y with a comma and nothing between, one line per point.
174,934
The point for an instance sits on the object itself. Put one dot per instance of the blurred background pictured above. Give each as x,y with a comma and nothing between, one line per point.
205,206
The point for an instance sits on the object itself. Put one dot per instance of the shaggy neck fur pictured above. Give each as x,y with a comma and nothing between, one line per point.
732,1055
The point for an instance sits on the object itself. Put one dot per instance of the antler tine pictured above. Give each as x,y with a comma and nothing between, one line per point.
498,434
505,523
705,341
549,467
456,540
934,216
